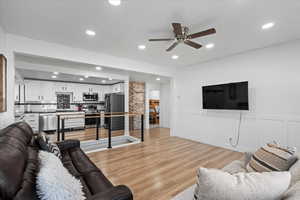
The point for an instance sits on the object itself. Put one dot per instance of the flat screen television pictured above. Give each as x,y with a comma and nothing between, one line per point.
231,96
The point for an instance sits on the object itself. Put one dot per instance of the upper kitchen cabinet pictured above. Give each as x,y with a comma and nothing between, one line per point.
77,92
117,88
38,91
63,87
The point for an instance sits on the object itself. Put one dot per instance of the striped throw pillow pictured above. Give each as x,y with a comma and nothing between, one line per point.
271,157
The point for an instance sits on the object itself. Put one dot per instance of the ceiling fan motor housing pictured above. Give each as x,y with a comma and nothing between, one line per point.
184,34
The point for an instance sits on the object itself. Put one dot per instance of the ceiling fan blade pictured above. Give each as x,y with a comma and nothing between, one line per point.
177,29
172,46
202,33
193,44
162,39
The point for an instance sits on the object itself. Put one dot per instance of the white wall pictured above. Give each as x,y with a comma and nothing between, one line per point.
165,105
7,117
154,94
274,96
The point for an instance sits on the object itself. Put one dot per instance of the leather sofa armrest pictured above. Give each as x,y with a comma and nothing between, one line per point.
68,144
120,192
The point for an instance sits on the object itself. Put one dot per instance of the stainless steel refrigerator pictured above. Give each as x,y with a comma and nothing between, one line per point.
115,103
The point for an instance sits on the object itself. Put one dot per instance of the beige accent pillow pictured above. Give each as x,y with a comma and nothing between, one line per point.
215,184
271,157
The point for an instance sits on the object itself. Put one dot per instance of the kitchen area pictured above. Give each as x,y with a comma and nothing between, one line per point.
40,96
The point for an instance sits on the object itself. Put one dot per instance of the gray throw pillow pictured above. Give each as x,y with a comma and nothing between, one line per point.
46,145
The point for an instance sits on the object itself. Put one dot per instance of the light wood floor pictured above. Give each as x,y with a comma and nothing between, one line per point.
162,166
87,134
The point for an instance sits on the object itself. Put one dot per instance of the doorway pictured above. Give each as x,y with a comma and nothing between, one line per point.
154,109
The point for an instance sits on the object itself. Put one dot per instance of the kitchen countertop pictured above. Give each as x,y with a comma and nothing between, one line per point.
59,112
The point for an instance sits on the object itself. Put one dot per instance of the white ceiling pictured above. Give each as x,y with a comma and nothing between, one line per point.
42,75
121,29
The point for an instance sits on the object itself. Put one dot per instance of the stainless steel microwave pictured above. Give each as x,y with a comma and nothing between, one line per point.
90,97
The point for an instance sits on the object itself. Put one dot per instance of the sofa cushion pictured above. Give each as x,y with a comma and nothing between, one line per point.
215,184
18,163
55,182
271,157
80,166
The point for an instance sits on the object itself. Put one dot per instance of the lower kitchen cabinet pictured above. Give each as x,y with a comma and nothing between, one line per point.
33,121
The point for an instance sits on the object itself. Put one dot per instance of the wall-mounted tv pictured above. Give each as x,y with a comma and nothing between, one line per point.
231,96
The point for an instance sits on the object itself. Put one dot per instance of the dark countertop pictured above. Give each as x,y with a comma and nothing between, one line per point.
61,111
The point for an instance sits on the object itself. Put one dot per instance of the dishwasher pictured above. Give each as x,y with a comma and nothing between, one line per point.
48,122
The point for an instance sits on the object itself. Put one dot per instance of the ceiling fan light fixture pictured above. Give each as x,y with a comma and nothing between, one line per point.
175,57
210,45
115,2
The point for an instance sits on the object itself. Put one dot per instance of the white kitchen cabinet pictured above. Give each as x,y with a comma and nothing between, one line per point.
77,92
17,92
99,90
39,91
33,121
46,90
117,88
61,87
33,91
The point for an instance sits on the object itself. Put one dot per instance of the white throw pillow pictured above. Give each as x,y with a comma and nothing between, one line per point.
215,184
54,182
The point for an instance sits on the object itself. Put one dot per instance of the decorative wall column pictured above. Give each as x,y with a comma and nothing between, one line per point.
136,103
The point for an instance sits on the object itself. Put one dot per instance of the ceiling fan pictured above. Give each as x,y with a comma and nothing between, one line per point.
182,36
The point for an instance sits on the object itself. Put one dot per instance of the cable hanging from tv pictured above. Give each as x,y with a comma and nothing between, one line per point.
238,134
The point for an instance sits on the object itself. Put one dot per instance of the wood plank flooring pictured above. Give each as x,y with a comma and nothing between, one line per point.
162,166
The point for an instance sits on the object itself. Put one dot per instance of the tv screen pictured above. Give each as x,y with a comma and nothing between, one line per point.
231,96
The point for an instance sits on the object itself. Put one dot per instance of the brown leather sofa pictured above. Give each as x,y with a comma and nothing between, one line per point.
19,166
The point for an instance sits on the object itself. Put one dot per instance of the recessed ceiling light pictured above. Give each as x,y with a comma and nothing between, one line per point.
103,81
90,32
158,79
209,46
115,2
81,79
268,25
98,68
53,76
56,73
110,79
86,76
142,47
175,57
